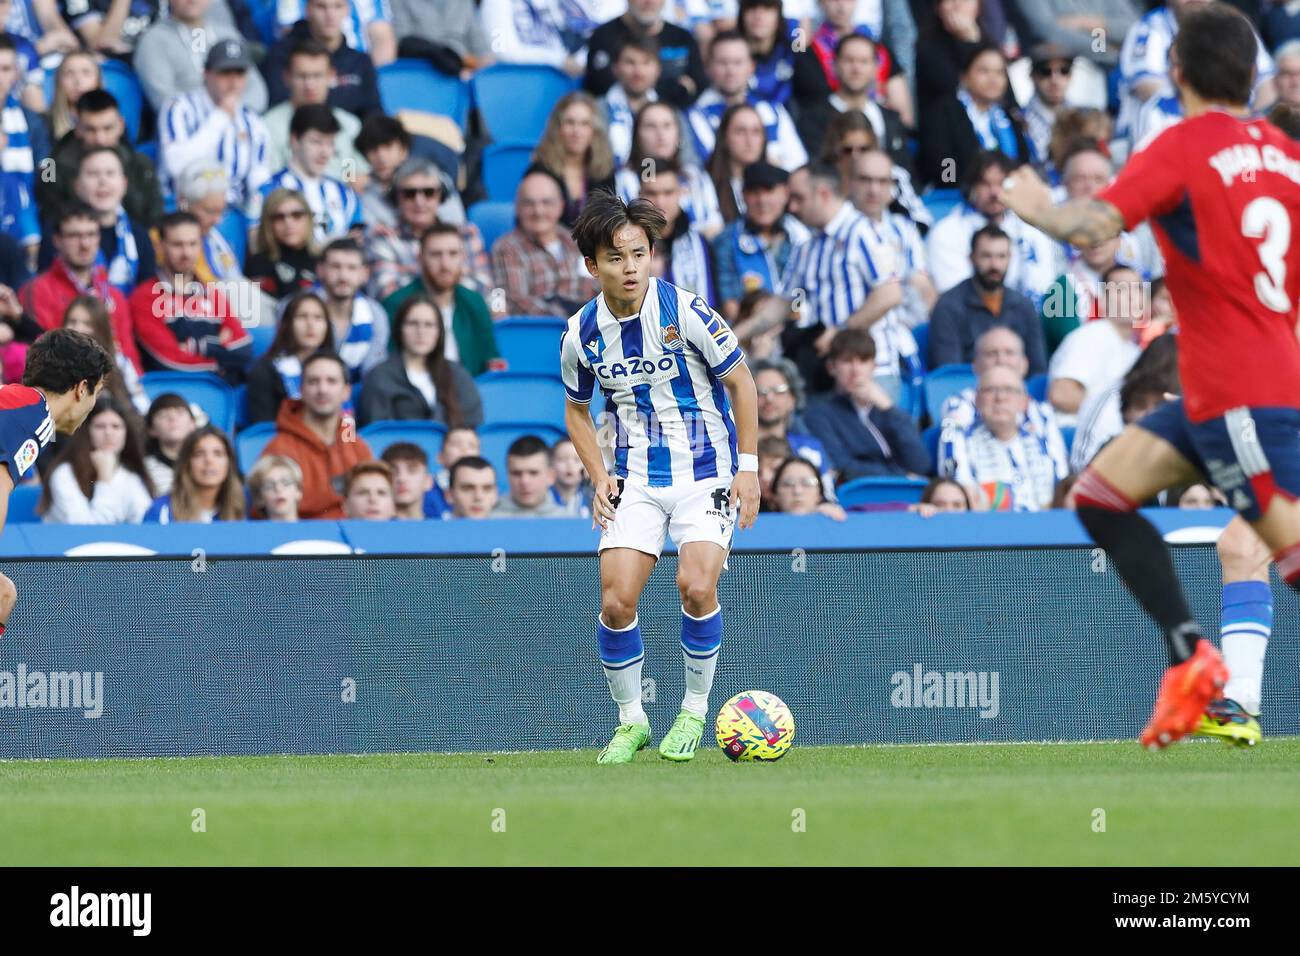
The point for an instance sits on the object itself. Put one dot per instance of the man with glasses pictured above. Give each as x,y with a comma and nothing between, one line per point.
394,252
1051,73
999,458
1287,58
538,263
780,402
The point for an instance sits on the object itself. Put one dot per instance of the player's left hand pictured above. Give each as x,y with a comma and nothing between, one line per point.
1025,194
744,488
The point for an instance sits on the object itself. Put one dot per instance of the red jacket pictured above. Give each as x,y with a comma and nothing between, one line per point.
191,332
47,296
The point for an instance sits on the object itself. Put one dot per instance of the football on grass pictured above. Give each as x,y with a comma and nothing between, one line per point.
755,725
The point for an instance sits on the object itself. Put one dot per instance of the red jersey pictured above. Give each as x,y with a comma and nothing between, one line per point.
1223,196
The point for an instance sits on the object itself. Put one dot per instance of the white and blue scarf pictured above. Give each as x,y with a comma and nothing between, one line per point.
124,268
993,127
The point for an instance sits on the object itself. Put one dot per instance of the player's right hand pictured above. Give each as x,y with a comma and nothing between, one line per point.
602,502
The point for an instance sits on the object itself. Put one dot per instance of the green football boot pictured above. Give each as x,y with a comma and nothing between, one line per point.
627,740
1228,720
682,738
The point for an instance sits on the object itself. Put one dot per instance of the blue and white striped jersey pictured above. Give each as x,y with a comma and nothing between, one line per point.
17,156
661,373
361,14
192,128
334,204
784,147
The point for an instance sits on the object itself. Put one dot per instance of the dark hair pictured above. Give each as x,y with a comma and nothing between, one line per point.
984,160
604,214
436,361
988,231
643,43
74,209
77,453
719,165
178,218
841,124
114,385
1216,50
439,228
163,402
667,166
537,169
307,46
823,173
927,496
852,343
853,38
977,51
1080,145
469,461
61,359
343,244
95,151
728,36
1154,372
636,158
526,446
405,451
329,357
231,502
314,117
7,43
286,340
1286,117
97,101
380,130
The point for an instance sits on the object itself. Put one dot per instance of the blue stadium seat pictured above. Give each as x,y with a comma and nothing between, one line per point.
263,335
883,490
513,397
416,85
514,100
944,381
207,391
930,439
235,228
503,167
121,81
497,437
428,435
530,344
149,151
493,219
1036,385
250,442
22,504
922,335
940,202
1067,432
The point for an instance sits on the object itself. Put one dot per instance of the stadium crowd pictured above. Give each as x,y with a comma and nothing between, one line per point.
248,207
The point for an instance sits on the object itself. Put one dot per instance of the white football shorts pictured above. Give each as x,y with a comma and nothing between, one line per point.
700,511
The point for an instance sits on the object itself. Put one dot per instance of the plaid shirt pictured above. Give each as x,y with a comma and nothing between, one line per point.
394,256
1031,463
535,282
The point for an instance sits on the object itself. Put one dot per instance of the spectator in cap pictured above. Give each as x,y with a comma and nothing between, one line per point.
215,121
751,252
334,204
309,76
1051,69
171,56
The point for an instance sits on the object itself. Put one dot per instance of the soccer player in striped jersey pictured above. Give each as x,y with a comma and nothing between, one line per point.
684,416
62,379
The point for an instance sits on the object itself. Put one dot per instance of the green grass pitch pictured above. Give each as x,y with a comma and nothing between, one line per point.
1006,804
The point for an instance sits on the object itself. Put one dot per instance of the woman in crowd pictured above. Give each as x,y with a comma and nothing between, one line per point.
940,496
275,487
575,147
304,329
419,381
207,486
89,314
850,135
799,491
285,260
944,44
168,423
742,140
571,491
658,136
100,478
77,73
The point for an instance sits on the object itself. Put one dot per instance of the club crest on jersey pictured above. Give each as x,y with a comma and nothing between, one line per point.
672,338
25,457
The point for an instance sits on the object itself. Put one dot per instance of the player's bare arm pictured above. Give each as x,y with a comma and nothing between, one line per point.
6,489
739,383
582,432
1080,222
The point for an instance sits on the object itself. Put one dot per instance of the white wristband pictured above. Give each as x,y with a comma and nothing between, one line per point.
748,463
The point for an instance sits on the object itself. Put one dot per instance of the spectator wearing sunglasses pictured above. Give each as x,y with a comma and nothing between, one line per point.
1051,72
